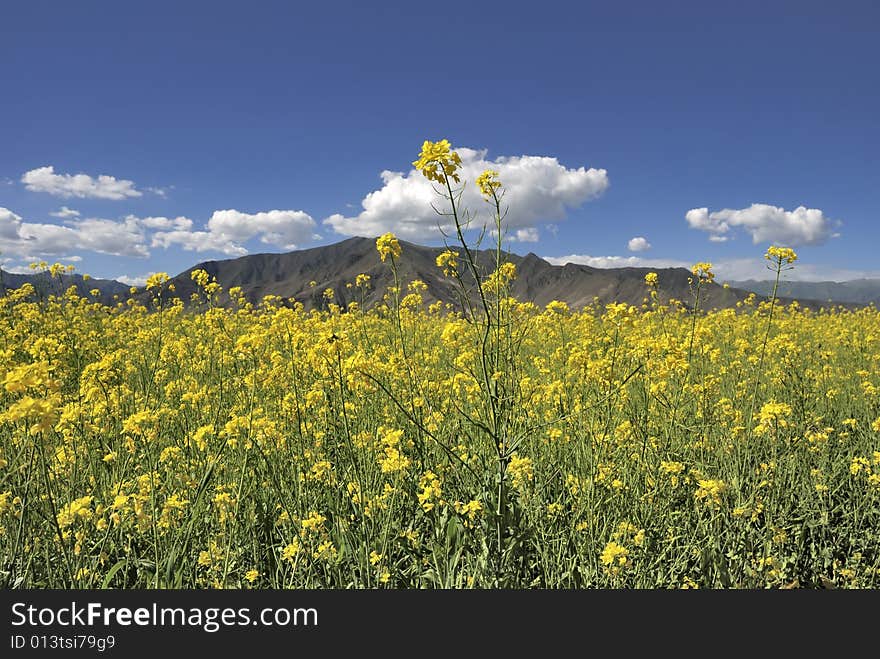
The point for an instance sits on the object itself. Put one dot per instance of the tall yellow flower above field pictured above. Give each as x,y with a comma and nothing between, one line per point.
388,245
437,159
488,183
780,255
156,280
703,271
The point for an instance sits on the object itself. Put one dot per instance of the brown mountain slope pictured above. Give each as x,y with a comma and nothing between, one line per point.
334,266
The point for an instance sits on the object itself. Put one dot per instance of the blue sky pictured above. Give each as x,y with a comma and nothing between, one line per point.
613,121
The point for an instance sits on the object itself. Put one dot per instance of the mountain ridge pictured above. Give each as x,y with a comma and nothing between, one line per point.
304,275
289,275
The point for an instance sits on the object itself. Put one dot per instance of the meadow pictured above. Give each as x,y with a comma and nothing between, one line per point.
493,444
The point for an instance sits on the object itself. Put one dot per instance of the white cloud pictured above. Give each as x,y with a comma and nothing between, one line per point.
44,179
638,244
765,223
538,189
137,280
527,235
227,230
178,223
125,238
10,224
616,261
21,269
286,229
197,241
65,213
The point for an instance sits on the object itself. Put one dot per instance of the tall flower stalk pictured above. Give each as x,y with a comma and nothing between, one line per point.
780,259
440,164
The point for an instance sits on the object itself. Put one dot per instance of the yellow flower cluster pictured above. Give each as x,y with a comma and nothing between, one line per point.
780,255
448,260
437,162
387,245
703,271
488,183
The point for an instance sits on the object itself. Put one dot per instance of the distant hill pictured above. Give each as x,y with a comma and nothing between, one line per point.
290,276
45,285
857,291
334,266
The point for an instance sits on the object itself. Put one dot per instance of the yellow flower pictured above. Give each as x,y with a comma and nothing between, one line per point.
521,470
75,510
711,491
505,273
392,459
614,555
200,277
437,161
430,493
703,271
388,245
772,415
156,280
858,465
557,306
314,522
651,279
470,509
448,261
325,551
488,183
780,255
252,575
289,553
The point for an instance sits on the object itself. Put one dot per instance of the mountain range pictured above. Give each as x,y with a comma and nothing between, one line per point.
856,291
305,275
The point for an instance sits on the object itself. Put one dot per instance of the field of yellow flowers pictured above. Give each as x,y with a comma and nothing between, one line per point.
410,446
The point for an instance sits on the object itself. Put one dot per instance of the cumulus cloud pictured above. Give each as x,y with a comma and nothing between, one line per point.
10,224
44,179
227,230
285,229
765,223
137,280
527,235
125,238
198,241
538,189
638,244
178,223
65,213
616,261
